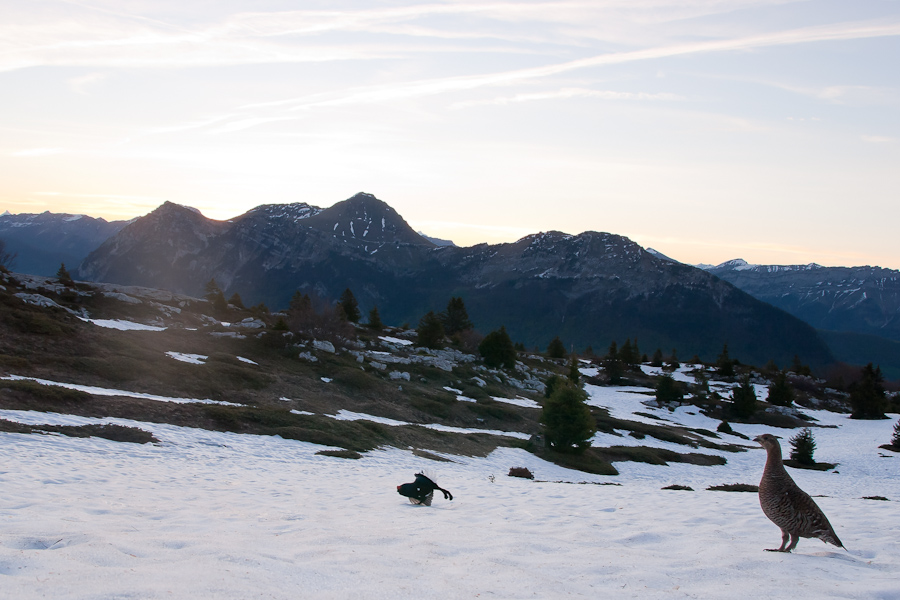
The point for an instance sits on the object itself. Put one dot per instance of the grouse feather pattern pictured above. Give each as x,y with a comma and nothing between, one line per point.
786,505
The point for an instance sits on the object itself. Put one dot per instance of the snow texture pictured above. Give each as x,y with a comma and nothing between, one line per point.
208,514
124,325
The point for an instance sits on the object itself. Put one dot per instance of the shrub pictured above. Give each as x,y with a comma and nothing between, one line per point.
556,349
867,396
743,399
340,454
668,390
724,427
349,306
803,445
356,379
497,349
430,331
724,364
568,422
895,440
51,394
522,472
780,391
734,487
375,320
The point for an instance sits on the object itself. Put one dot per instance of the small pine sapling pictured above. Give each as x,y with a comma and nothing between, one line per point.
895,440
63,276
574,373
803,445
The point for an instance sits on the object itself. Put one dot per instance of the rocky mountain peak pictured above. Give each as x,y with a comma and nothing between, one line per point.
366,221
295,211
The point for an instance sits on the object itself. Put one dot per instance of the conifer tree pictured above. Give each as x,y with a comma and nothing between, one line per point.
300,302
743,399
798,367
803,445
301,316
430,331
349,306
375,319
574,374
613,364
724,364
236,300
553,382
455,319
701,384
215,297
867,396
556,349
63,275
568,423
895,439
673,360
497,349
626,354
668,390
657,360
780,391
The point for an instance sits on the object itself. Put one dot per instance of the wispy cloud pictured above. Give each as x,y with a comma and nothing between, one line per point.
99,37
878,139
81,84
104,196
428,87
36,152
567,93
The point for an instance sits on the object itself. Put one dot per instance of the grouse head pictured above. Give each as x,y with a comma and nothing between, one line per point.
768,441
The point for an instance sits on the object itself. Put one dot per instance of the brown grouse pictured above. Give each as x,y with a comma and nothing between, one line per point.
787,505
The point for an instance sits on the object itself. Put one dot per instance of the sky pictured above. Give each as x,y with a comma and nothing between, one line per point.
708,130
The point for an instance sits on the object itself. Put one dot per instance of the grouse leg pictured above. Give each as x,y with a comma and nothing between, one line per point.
785,536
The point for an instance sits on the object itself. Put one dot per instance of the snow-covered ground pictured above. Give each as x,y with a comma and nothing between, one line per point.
228,516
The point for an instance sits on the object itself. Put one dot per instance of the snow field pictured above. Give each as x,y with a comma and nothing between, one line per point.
218,515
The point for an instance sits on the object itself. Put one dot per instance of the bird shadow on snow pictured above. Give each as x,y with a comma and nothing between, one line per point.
447,506
860,558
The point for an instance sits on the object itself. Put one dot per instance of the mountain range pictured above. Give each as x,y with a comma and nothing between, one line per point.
855,309
859,299
589,289
43,241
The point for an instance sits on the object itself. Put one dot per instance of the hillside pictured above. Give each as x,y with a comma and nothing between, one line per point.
184,454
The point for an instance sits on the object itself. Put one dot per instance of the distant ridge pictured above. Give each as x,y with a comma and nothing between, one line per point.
590,288
849,299
43,241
